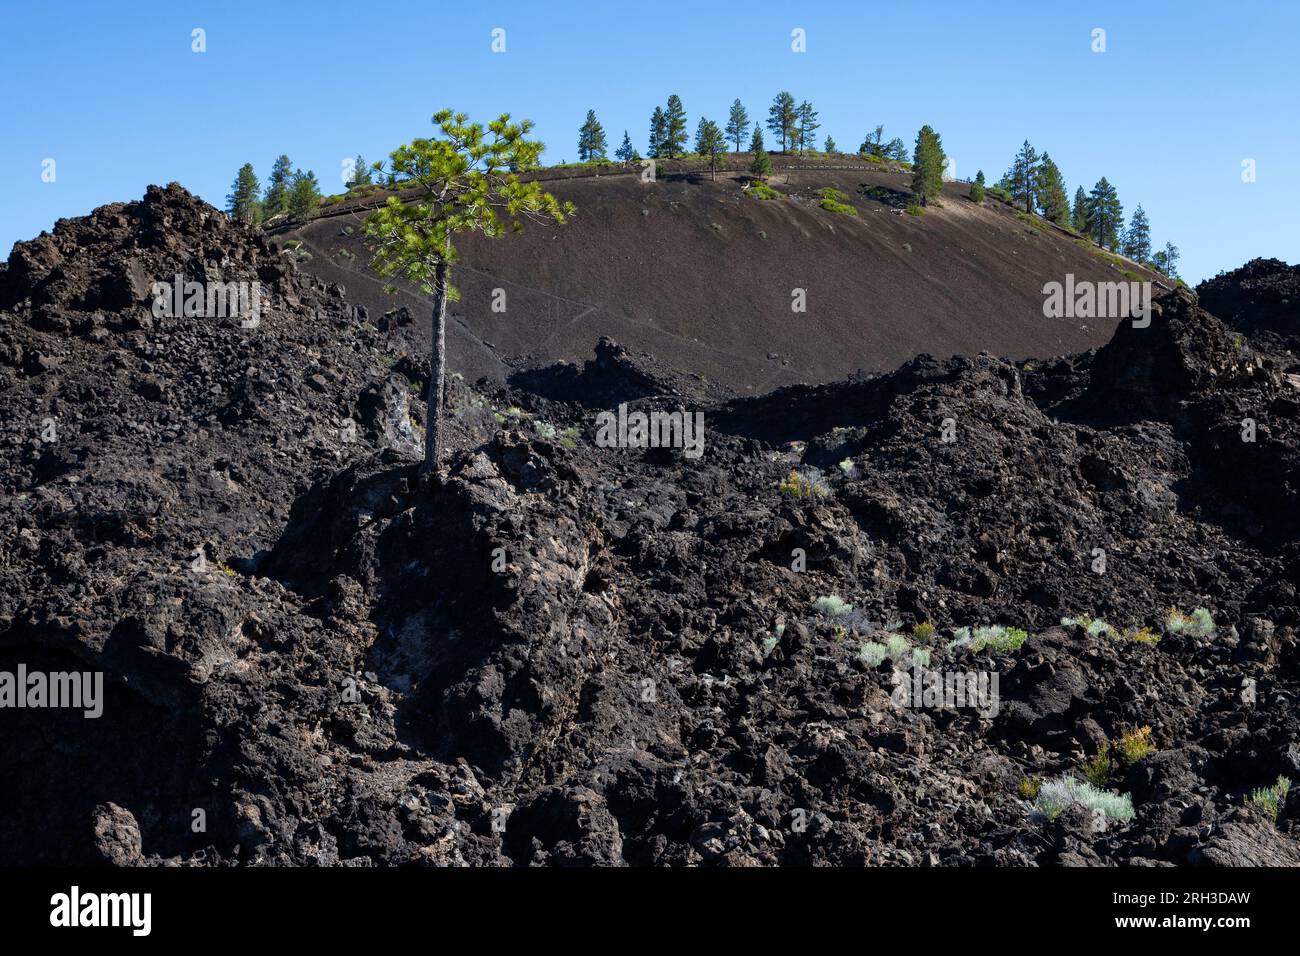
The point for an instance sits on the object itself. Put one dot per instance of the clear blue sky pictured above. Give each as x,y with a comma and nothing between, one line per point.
1183,94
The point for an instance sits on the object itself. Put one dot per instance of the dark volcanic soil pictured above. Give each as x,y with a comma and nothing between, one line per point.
701,275
573,654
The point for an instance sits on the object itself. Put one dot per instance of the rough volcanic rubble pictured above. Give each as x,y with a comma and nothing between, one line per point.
1261,299
568,654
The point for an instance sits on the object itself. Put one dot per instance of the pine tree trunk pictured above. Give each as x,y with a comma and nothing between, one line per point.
437,372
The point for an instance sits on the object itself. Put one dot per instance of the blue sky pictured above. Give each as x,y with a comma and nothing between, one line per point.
1184,92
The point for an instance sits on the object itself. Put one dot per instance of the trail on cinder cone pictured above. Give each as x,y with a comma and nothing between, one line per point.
703,276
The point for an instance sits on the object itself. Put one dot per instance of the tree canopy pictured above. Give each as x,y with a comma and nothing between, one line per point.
242,203
591,139
737,123
468,181
928,163
781,118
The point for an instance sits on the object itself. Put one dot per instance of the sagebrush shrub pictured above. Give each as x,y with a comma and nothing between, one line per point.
1097,627
897,646
833,605
873,653
1200,623
995,636
1057,796
1269,800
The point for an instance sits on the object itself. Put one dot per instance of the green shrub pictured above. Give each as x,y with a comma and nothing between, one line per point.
923,631
597,162
873,654
842,208
1030,786
1269,800
511,413
804,484
832,200
833,605
1056,796
761,190
915,210
1100,769
1200,623
1133,745
1097,627
998,638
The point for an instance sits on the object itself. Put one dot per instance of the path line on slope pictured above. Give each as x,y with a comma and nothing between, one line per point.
644,323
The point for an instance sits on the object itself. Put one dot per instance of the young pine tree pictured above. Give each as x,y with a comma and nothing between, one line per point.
1053,200
304,195
761,167
468,179
710,142
737,124
1166,260
591,139
626,152
977,188
1025,176
1137,240
658,131
830,144
673,143
1079,216
242,203
896,150
808,126
276,199
928,163
1105,214
781,118
871,143
361,174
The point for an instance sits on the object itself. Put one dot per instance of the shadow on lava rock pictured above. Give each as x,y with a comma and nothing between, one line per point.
463,587
101,786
